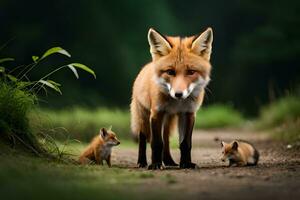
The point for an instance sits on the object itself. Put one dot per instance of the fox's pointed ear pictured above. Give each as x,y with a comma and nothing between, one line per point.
222,143
235,145
159,45
103,132
202,45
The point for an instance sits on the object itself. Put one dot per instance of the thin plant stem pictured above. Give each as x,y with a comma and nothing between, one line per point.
49,74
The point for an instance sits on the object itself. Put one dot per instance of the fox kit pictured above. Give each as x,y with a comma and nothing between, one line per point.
239,153
100,148
167,91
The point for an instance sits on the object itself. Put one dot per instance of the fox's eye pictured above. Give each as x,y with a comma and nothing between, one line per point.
171,72
190,72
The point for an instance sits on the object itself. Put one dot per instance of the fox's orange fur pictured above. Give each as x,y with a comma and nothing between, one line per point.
168,89
100,148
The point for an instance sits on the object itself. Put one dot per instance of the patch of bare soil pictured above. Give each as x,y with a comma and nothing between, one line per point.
277,175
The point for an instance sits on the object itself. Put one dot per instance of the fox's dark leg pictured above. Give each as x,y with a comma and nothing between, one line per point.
109,161
156,140
98,161
167,158
142,158
186,125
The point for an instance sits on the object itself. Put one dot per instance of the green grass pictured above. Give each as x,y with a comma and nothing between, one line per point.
288,132
218,116
81,123
15,105
18,96
23,176
283,118
279,112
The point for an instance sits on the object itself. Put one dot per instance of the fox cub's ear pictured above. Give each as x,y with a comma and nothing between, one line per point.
235,145
103,132
223,144
202,44
159,45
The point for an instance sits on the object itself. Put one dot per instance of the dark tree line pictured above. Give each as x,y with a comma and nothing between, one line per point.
255,51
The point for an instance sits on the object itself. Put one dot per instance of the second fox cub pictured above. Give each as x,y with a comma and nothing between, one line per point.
100,148
239,153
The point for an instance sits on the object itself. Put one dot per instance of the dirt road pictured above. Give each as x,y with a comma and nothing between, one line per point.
277,175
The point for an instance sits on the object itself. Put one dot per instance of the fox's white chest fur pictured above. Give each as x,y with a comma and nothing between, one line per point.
174,106
105,152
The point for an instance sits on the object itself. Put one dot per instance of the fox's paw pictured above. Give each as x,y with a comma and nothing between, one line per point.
142,165
155,166
171,163
188,165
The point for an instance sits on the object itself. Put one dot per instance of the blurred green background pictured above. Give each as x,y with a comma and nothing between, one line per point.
255,50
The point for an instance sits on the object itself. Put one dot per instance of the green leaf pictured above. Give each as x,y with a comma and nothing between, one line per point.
23,84
50,85
84,67
2,69
6,59
74,70
11,77
55,50
54,83
35,58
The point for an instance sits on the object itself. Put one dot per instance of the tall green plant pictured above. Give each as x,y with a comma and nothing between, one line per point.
18,95
21,81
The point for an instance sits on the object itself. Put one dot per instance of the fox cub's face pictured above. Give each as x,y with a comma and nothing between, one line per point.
109,137
182,65
229,151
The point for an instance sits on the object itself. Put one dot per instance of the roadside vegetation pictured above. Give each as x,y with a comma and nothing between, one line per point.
83,123
15,105
282,118
19,95
218,116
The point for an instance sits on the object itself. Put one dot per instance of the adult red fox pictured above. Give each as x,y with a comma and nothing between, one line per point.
170,89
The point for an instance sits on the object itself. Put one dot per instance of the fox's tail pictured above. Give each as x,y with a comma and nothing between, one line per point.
139,121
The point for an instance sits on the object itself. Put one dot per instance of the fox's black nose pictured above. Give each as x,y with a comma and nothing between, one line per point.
178,94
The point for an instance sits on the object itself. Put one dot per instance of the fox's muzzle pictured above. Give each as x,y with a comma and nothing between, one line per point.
223,158
178,94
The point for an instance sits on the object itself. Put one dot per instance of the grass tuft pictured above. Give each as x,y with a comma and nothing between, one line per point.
80,123
15,104
218,116
282,111
283,117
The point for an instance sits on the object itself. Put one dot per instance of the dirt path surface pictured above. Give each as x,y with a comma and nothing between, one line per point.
277,176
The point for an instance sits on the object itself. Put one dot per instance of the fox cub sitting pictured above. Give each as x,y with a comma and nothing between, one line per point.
239,153
100,148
